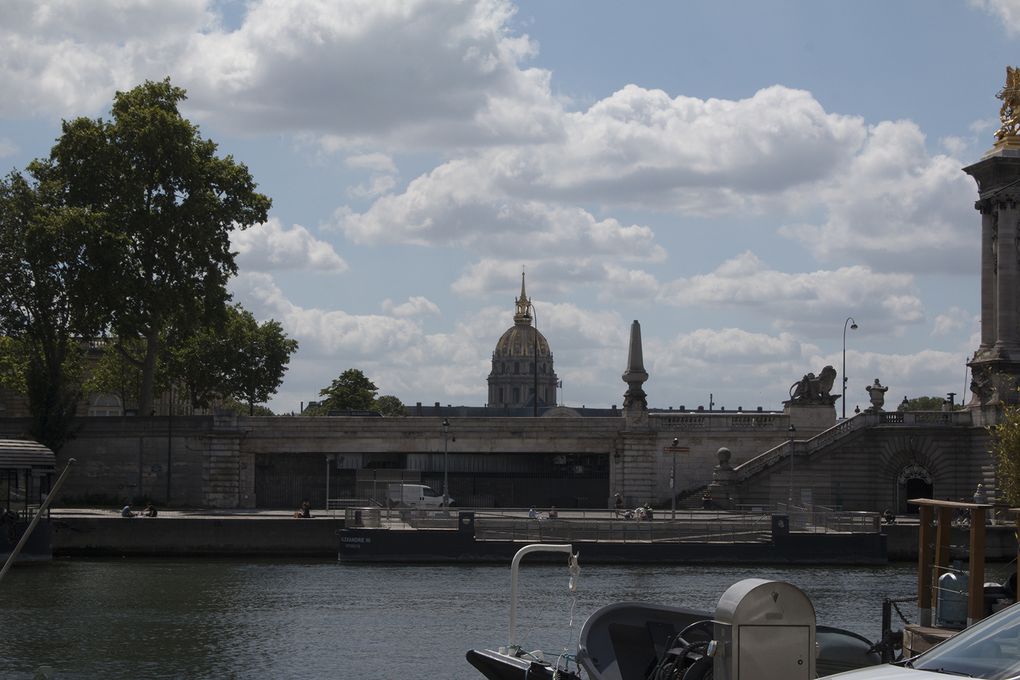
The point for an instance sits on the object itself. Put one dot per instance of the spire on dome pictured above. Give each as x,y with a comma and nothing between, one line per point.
522,315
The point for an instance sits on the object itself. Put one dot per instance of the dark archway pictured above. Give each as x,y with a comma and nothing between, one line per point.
915,488
914,481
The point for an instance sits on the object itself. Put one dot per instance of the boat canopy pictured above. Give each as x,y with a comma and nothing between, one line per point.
20,454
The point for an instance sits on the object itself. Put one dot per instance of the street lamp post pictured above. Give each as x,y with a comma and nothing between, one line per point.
853,327
446,465
672,479
789,496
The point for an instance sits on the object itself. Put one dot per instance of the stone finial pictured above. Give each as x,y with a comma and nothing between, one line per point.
877,394
635,375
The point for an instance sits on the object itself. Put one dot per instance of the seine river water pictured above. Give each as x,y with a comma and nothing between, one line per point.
208,618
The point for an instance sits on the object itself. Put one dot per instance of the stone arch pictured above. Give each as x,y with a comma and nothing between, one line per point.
913,481
104,404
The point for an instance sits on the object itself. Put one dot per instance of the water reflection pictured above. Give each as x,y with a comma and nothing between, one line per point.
203,618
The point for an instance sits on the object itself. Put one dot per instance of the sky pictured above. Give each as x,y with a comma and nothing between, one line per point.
740,177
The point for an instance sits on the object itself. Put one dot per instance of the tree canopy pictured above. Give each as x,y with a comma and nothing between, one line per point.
260,354
353,391
49,296
922,404
165,205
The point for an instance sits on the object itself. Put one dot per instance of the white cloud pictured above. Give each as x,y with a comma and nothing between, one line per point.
325,333
956,146
424,73
1008,11
416,305
419,72
798,298
376,162
455,205
269,246
68,57
896,207
952,320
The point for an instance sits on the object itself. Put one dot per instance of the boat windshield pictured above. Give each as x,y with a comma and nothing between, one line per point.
989,649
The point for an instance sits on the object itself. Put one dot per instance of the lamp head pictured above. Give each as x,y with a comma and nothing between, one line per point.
676,441
446,424
853,326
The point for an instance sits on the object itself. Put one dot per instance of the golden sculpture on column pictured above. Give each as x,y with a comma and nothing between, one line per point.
1009,114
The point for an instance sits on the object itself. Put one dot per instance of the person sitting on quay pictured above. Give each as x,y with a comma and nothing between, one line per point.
532,513
126,511
150,511
305,511
552,513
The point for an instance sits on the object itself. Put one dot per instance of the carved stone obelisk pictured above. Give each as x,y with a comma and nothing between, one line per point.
635,402
995,366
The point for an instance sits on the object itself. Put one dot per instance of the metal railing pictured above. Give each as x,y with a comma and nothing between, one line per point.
602,525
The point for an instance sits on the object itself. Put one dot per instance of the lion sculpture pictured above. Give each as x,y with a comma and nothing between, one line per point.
814,390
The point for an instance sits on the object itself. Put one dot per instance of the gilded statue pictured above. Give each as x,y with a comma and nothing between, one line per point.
1009,114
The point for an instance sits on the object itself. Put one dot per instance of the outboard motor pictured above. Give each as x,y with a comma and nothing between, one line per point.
764,630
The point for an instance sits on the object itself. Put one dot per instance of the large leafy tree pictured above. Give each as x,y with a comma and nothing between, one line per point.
166,203
233,359
49,295
389,405
351,390
261,354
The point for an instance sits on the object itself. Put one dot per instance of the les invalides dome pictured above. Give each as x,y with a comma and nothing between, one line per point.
522,363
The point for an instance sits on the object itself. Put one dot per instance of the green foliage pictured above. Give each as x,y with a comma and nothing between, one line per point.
12,365
922,404
234,406
388,405
1006,450
260,352
352,390
165,204
49,298
118,370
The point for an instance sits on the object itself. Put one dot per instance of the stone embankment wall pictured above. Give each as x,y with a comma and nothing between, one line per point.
216,461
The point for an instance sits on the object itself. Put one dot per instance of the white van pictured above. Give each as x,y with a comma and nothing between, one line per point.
415,495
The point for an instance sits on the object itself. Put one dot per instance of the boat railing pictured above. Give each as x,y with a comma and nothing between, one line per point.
696,526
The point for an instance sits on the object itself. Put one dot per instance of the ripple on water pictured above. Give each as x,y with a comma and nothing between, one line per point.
199,618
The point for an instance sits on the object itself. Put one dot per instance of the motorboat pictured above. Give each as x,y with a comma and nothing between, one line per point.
758,623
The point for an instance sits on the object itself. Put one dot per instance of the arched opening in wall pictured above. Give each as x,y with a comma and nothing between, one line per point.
105,405
914,481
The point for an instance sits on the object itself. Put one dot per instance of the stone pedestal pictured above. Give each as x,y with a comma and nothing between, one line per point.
721,493
810,419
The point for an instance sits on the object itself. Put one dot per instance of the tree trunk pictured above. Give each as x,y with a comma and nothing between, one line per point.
149,374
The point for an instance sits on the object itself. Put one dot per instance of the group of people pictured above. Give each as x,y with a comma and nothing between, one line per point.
304,511
149,511
534,514
642,512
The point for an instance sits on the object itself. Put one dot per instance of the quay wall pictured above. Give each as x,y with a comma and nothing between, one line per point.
253,462
193,536
255,536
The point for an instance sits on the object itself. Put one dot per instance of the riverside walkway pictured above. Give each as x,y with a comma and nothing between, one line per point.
277,533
